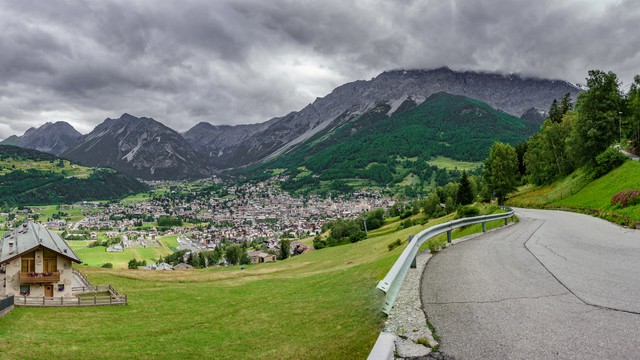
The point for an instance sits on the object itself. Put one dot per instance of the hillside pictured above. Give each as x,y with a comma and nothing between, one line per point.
385,149
320,305
577,192
31,177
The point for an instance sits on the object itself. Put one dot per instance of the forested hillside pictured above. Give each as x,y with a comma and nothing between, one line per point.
31,177
385,149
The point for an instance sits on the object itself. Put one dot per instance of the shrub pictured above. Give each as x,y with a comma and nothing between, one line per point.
607,161
407,223
468,211
394,244
626,198
434,247
107,265
319,242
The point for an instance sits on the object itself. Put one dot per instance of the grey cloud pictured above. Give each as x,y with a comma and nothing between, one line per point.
248,61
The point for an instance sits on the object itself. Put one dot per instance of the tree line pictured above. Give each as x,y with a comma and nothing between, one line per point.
575,135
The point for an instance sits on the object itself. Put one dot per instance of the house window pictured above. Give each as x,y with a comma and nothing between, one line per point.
49,263
25,289
28,262
60,287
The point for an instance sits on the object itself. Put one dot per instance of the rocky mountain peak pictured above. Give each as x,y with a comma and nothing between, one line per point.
142,147
55,138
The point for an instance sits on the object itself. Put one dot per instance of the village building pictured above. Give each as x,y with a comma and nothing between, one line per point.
258,257
35,262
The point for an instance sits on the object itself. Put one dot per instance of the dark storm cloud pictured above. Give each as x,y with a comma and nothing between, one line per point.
247,61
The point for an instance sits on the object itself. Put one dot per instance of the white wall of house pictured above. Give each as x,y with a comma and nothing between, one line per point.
12,277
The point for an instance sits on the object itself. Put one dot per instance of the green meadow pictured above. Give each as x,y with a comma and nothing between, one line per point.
577,192
320,305
98,256
451,164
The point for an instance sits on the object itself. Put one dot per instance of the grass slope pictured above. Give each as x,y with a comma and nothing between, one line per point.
320,305
577,192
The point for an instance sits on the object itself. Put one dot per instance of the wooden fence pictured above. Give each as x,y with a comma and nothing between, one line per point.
107,296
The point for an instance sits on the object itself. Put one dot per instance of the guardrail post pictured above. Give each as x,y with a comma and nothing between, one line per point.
484,227
413,263
449,236
506,221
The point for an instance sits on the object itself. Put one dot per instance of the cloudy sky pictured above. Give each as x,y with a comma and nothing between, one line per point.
233,62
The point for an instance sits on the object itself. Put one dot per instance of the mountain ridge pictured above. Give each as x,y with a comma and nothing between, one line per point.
141,147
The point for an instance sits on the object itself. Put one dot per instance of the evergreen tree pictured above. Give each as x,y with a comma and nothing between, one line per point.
465,192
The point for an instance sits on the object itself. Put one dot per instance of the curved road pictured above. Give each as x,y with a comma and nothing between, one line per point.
555,286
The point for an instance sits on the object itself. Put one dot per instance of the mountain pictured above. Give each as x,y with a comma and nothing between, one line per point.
229,147
535,116
31,177
213,139
385,149
12,140
140,147
54,138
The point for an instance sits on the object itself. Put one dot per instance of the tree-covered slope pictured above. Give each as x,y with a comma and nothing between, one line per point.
374,145
31,177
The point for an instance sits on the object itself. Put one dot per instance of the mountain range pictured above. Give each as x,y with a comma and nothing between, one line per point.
147,149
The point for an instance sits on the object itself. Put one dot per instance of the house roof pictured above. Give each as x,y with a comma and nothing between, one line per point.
28,237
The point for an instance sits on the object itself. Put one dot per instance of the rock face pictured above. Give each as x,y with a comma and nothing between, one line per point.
141,147
54,138
534,116
230,146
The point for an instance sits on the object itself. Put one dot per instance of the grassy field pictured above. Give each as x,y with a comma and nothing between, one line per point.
137,198
320,305
75,212
97,256
579,193
450,164
8,165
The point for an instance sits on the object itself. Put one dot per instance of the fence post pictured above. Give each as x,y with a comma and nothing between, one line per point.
484,227
95,301
506,221
449,236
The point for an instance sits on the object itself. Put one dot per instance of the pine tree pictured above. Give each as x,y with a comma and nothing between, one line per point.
465,192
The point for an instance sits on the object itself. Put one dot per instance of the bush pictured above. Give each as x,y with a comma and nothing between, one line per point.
107,265
468,211
407,224
134,264
607,161
319,243
394,244
626,198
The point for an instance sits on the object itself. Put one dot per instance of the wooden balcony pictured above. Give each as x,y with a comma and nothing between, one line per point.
39,278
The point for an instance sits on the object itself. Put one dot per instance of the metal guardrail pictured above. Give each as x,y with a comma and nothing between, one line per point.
395,277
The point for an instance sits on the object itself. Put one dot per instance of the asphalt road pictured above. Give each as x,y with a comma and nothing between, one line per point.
554,286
